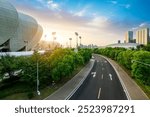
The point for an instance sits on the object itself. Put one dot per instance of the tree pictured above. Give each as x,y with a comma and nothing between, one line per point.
8,65
139,70
147,47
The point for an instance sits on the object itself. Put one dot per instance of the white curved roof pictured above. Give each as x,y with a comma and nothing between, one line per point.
21,30
25,33
8,21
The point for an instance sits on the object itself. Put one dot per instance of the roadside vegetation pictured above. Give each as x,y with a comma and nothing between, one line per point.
136,61
18,75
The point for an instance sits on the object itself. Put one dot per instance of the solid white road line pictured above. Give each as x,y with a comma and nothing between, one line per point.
99,93
102,76
110,75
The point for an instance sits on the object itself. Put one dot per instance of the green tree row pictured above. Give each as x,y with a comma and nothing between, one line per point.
137,61
52,66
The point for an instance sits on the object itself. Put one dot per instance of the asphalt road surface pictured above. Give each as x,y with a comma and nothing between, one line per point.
101,84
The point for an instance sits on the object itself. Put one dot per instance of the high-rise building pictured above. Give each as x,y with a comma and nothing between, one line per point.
128,37
142,36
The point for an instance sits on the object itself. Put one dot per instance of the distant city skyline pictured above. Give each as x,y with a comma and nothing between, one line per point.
99,22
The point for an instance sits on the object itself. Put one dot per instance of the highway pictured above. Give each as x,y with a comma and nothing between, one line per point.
101,84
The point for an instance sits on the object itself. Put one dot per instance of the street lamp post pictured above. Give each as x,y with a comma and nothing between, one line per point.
80,40
76,41
140,62
38,83
70,41
54,37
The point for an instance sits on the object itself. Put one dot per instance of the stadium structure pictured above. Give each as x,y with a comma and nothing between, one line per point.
18,31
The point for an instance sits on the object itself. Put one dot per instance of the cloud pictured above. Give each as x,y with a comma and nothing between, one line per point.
127,6
99,22
83,11
113,2
134,28
52,5
95,26
80,13
141,25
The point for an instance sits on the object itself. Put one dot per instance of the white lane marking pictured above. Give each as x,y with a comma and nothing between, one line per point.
102,64
99,93
102,69
98,61
122,83
110,75
105,61
94,74
102,76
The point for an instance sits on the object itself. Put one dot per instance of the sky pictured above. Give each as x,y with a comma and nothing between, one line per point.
99,22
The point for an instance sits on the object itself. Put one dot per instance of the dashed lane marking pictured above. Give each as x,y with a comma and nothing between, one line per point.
102,76
99,93
110,75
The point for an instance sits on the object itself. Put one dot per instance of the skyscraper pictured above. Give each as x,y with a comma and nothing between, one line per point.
129,37
142,36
